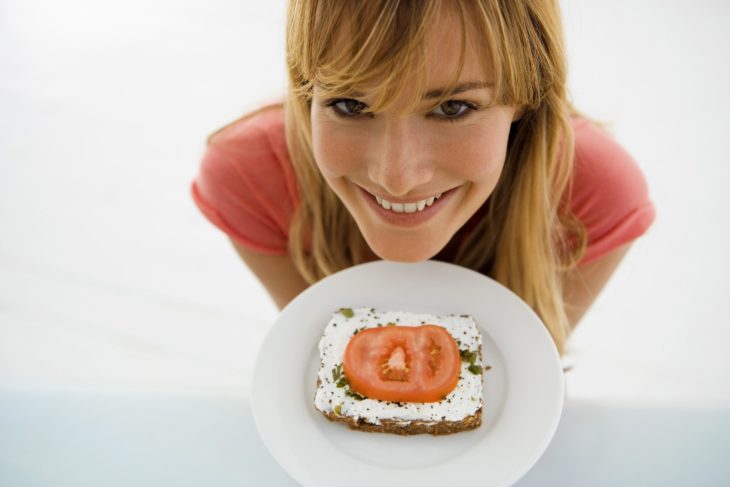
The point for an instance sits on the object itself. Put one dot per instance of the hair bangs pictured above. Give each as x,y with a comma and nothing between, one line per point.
375,47
526,50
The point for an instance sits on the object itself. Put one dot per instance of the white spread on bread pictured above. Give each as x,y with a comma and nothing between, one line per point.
463,401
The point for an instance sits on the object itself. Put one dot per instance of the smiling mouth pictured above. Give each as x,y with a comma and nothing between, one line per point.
407,207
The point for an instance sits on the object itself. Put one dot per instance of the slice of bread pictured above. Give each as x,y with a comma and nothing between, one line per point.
459,410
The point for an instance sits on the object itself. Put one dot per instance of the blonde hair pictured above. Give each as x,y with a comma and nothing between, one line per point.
527,238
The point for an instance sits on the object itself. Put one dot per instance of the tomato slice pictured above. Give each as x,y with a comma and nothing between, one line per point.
403,363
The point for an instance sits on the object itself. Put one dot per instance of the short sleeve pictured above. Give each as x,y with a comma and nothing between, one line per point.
246,185
610,195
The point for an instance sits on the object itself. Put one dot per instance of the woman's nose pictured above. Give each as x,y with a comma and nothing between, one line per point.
400,162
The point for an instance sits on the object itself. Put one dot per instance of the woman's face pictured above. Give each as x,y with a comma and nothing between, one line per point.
388,168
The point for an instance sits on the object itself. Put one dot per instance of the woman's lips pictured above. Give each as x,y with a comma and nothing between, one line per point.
407,219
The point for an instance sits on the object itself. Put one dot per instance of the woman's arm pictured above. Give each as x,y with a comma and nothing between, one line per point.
582,285
276,272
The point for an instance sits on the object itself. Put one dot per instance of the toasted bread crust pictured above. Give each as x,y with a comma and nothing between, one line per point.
413,428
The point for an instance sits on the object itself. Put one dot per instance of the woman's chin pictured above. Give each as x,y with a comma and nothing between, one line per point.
405,254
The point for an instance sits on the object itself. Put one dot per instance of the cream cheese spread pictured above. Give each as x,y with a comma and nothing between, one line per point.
463,401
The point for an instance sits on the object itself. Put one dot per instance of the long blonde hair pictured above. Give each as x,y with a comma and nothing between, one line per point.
527,238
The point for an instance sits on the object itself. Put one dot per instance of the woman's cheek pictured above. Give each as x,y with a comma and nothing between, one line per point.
475,154
334,150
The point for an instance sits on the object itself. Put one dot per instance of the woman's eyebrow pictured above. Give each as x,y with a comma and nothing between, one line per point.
460,88
442,92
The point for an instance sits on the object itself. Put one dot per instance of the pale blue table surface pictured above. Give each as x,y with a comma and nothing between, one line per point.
73,439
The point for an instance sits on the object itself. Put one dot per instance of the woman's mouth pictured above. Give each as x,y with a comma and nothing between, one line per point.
407,207
407,214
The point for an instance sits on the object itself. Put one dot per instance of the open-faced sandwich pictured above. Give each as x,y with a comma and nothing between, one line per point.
400,372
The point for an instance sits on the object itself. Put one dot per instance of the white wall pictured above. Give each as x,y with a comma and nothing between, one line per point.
656,70
110,278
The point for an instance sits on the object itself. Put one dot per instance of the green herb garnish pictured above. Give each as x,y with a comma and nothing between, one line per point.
468,356
347,312
337,373
341,381
354,395
475,369
338,409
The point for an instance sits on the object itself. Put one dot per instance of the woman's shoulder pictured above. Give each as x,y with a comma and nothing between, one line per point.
602,164
253,150
257,129
596,148
245,184
609,191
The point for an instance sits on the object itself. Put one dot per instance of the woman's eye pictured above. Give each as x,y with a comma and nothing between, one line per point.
347,107
453,109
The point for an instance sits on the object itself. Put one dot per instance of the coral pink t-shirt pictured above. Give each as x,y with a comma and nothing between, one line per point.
247,187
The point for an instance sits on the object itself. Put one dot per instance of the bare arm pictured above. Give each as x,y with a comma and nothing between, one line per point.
276,272
582,285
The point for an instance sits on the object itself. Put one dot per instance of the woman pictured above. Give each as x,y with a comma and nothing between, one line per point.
417,130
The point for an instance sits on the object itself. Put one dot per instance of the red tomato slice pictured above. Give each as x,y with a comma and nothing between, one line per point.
403,363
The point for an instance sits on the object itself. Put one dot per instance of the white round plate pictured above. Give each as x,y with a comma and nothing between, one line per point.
523,391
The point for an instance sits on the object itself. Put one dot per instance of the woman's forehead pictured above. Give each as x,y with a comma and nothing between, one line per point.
452,52
446,40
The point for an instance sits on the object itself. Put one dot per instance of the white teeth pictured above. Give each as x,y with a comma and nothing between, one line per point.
407,207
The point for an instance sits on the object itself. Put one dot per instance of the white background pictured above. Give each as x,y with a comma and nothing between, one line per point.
110,278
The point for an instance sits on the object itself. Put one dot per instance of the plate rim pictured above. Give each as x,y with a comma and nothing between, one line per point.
302,475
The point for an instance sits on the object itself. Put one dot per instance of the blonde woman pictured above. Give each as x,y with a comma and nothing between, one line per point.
427,129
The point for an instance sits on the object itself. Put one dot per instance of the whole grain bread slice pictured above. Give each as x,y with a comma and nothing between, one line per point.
415,427
412,428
